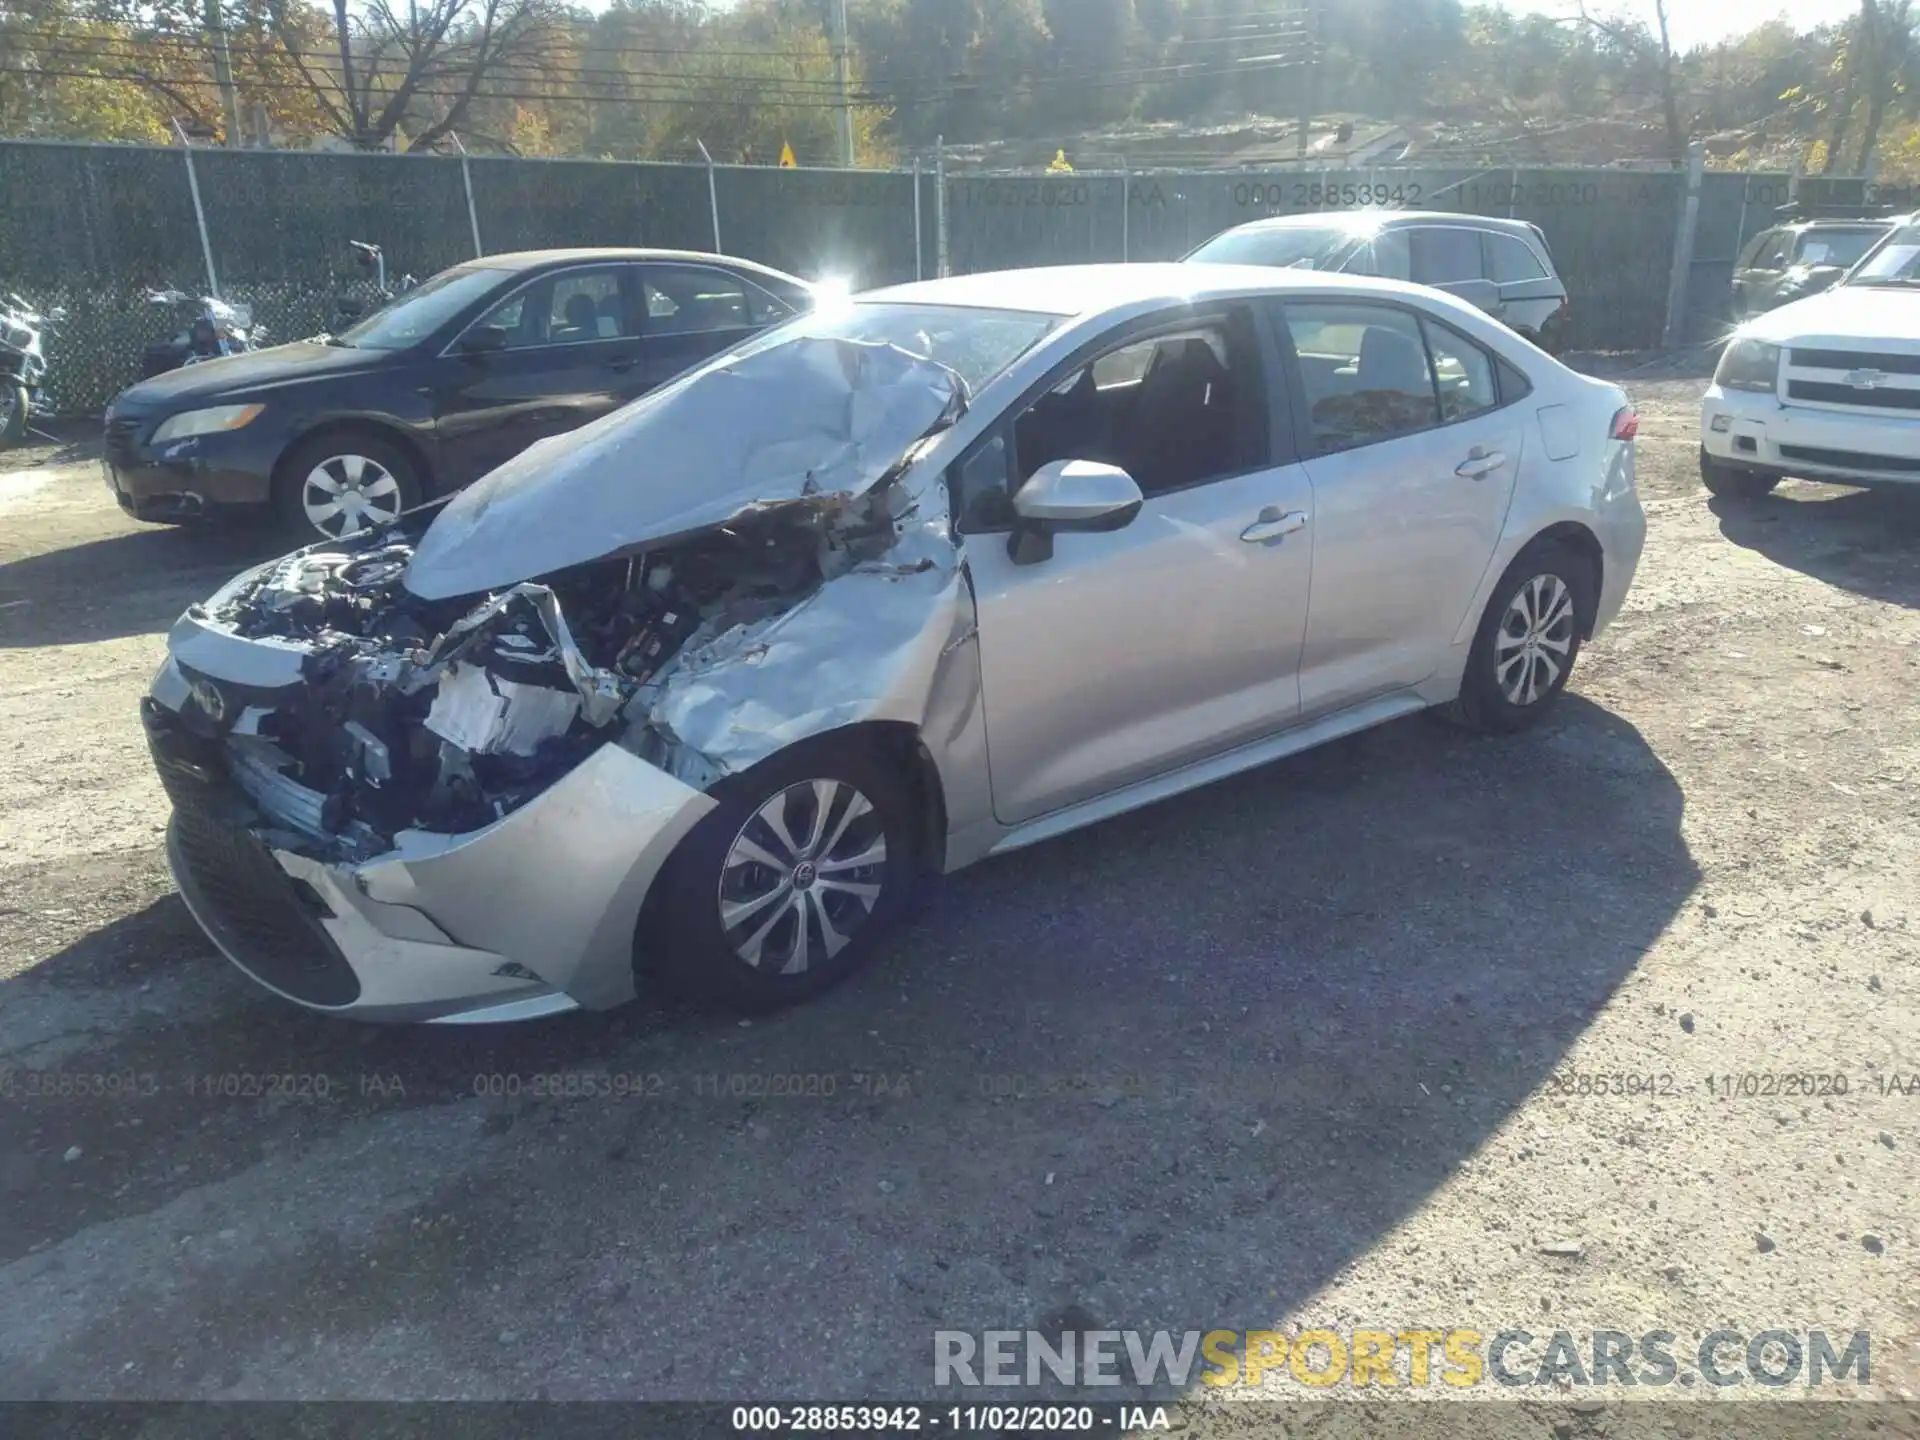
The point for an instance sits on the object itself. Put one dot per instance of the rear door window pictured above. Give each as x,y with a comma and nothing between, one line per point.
1510,259
1444,254
1364,371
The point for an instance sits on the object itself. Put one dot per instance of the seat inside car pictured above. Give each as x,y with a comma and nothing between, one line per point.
1178,423
1390,360
582,317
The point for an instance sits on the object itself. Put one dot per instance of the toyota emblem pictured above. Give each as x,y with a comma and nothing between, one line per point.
210,700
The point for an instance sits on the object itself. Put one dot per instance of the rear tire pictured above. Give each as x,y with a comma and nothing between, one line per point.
791,884
340,482
1528,641
1733,482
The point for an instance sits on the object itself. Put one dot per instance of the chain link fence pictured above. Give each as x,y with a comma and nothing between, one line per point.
92,228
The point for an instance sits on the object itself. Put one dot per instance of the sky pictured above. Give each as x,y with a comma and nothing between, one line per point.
1701,22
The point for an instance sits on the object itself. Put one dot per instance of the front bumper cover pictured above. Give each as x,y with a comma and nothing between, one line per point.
1757,432
556,887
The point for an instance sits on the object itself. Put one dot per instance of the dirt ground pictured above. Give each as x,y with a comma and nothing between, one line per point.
1275,1054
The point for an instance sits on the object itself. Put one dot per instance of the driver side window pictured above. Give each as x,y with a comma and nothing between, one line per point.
570,308
1174,409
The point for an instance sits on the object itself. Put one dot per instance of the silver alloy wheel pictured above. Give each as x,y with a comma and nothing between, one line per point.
344,494
803,875
1535,637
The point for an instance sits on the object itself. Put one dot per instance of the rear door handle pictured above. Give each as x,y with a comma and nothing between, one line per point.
1272,525
1480,462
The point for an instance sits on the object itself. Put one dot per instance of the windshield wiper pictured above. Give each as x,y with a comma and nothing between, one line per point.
1888,280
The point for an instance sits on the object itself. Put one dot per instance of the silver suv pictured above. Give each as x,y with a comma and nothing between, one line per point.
1502,266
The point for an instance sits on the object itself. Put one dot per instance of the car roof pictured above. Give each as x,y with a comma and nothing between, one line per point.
535,259
1090,289
1864,222
1388,219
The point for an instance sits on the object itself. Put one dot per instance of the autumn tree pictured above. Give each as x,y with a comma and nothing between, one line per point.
417,70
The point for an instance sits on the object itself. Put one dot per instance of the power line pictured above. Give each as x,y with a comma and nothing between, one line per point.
758,99
675,86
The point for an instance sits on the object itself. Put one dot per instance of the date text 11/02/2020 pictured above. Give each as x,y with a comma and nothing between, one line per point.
1734,1085
957,1419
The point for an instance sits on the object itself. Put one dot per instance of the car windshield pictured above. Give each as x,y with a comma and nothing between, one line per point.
410,318
1835,247
1308,247
1896,262
976,344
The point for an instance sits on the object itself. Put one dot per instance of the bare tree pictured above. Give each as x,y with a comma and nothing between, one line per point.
1657,51
423,67
1887,29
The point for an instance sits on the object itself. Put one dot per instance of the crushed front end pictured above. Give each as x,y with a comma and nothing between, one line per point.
408,784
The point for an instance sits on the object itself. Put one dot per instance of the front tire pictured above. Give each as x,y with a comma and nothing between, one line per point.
1733,482
342,482
1529,638
791,884
14,410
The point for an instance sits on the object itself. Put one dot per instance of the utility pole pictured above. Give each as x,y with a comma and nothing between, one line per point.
222,69
845,115
1309,80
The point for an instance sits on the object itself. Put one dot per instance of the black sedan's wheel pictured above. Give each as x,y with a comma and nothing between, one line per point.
791,883
343,482
1732,482
1524,651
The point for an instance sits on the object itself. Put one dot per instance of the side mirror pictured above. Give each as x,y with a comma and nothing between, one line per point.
1072,497
484,339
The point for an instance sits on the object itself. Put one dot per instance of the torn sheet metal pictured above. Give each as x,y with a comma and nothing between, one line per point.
866,645
815,417
488,715
602,693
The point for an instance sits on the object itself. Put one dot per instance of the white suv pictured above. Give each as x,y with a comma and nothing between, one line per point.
1827,388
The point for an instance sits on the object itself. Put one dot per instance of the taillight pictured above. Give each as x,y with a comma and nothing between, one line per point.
1626,423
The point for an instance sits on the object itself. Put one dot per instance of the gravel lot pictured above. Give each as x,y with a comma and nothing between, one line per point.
1276,1054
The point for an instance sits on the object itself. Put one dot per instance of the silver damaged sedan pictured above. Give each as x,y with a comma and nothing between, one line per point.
698,693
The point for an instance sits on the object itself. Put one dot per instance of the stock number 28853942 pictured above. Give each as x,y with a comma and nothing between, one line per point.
1310,195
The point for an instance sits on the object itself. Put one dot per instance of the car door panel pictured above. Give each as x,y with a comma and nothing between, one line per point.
1404,527
492,405
1401,542
1130,653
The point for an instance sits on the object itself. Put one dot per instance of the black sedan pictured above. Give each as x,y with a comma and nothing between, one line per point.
431,391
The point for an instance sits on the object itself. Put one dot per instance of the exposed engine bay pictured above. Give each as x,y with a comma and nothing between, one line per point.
731,563
444,715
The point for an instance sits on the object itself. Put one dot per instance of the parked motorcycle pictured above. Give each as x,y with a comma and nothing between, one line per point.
23,364
370,257
213,328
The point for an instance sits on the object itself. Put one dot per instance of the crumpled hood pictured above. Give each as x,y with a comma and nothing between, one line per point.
811,417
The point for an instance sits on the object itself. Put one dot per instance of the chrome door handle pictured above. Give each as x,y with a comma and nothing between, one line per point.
1272,525
1479,463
